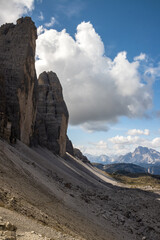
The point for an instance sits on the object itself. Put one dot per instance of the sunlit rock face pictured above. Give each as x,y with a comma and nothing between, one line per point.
18,80
52,114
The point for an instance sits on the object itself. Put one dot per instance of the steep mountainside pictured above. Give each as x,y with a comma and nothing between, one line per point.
18,80
68,199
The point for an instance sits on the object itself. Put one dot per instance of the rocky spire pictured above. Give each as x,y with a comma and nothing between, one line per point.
30,110
18,80
52,114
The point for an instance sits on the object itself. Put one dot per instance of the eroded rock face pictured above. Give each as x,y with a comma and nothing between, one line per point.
7,230
30,110
52,114
78,154
69,147
17,80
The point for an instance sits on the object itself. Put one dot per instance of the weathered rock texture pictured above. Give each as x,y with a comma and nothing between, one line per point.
78,154
52,114
17,80
7,230
30,110
69,147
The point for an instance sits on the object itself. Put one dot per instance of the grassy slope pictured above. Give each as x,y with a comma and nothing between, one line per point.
138,180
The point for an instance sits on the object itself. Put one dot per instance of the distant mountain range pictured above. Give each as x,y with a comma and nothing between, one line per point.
142,156
98,159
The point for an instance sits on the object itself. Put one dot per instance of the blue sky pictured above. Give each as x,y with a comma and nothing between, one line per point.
108,61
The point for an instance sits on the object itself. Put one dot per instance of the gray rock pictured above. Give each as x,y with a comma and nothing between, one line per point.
78,154
52,114
30,110
7,231
69,147
17,80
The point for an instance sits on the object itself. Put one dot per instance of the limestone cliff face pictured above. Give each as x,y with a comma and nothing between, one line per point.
18,80
30,110
78,154
52,114
69,147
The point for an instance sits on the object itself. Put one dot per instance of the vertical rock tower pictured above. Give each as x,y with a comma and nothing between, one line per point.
31,110
18,80
52,114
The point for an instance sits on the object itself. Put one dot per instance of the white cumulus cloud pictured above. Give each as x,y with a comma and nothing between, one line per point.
138,132
11,10
96,88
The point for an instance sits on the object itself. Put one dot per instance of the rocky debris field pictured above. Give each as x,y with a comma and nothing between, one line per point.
7,230
46,196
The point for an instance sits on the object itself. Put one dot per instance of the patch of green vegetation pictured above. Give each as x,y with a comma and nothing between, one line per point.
138,180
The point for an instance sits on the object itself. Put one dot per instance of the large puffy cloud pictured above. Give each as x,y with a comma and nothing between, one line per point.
11,10
97,89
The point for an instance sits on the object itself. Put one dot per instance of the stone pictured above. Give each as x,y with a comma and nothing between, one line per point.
69,147
52,115
10,227
2,226
7,231
10,233
31,110
18,80
78,154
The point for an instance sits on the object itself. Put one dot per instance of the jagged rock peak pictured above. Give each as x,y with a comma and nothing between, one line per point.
52,114
17,80
78,154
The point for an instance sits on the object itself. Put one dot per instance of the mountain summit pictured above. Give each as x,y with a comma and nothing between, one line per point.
141,155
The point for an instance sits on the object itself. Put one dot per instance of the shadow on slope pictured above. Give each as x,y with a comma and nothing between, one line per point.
73,197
